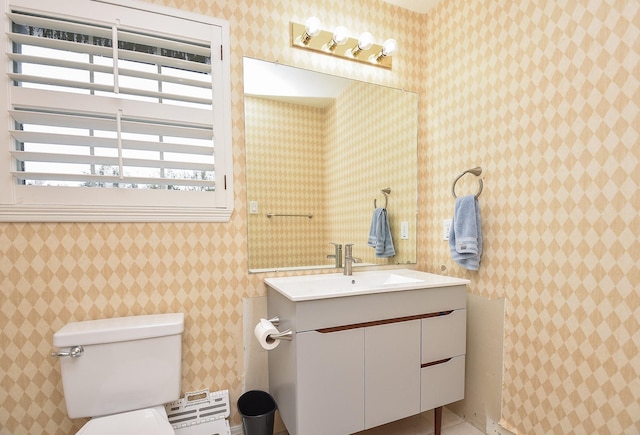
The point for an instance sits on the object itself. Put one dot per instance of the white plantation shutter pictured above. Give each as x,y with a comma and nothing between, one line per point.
123,115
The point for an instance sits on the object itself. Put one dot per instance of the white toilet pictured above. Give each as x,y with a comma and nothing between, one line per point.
121,372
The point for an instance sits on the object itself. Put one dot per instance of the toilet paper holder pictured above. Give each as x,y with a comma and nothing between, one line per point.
284,335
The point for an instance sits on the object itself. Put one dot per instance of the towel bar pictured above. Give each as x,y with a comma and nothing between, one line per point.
475,171
270,215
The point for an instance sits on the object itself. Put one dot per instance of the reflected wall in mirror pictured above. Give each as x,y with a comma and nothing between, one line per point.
325,146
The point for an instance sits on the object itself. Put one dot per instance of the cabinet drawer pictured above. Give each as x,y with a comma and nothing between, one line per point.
442,383
444,336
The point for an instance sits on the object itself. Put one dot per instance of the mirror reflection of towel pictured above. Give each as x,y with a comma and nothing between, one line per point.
380,234
465,236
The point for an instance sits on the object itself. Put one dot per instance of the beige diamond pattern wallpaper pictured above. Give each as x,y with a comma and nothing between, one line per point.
285,146
544,96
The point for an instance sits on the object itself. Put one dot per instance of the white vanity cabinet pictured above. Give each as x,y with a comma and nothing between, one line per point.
359,361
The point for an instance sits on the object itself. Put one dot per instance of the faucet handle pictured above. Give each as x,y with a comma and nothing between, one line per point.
337,255
349,259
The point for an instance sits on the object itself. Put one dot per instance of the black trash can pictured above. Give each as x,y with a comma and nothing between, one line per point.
257,409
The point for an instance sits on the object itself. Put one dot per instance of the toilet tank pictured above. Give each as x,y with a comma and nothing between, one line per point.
128,363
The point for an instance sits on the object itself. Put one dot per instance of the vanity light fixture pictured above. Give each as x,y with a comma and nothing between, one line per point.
310,36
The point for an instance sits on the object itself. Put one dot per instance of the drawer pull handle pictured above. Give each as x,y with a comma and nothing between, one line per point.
435,363
382,322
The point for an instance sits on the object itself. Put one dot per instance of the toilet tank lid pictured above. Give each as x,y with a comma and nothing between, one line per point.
119,329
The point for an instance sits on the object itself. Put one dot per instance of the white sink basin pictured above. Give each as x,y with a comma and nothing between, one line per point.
332,285
394,278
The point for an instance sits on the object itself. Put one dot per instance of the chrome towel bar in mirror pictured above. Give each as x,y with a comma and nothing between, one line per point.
307,215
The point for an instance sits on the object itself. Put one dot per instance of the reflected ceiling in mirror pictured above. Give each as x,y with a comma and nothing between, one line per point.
324,146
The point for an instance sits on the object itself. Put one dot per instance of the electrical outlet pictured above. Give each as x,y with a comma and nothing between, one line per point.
446,228
404,230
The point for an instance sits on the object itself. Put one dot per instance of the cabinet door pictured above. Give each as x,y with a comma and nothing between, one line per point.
330,382
392,372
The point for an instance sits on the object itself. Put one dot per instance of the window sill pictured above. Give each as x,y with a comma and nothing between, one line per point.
21,213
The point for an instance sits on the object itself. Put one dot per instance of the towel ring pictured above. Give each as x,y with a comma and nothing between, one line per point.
386,191
475,171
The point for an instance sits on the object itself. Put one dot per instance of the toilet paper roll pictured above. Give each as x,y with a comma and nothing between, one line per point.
263,331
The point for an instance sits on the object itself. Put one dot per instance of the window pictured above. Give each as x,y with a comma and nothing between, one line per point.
123,117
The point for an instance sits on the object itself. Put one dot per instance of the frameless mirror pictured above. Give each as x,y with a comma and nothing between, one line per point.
320,149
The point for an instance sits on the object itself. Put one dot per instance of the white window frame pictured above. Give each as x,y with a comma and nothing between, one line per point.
91,204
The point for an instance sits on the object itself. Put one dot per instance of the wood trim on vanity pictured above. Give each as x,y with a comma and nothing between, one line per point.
382,322
435,363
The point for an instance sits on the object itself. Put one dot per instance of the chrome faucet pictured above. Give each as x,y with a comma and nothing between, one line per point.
337,254
349,260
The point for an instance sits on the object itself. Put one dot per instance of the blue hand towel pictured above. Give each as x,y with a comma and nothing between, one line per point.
465,237
380,234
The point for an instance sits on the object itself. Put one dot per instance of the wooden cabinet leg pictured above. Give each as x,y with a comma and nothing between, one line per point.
437,420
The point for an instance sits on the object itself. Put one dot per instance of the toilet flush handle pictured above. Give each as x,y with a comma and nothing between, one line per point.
74,352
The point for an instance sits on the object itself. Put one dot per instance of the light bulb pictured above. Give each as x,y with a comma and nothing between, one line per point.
311,29
340,35
312,26
365,41
389,47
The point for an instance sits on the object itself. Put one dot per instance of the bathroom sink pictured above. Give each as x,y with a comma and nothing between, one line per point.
394,278
332,285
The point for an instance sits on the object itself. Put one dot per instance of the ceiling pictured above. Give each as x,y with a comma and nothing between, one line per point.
421,6
294,85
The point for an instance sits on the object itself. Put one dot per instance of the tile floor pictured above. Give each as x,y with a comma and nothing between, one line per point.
422,424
